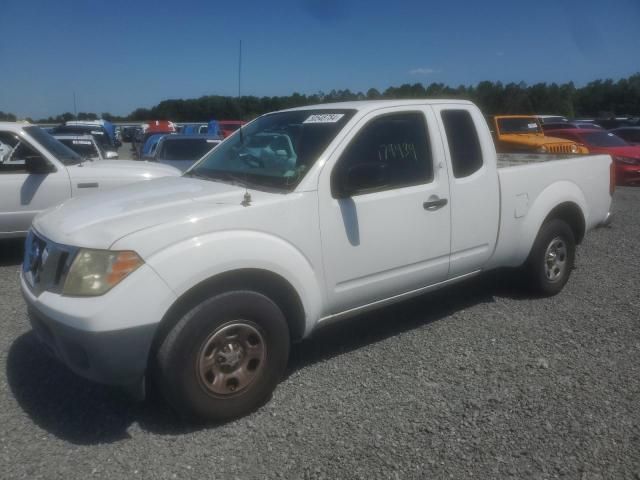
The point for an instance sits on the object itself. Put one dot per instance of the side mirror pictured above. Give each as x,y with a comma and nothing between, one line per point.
110,155
37,164
361,177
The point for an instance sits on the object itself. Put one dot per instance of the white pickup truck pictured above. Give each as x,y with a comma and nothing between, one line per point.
300,218
38,172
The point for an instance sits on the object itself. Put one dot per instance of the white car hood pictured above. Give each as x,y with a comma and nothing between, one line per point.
98,220
121,169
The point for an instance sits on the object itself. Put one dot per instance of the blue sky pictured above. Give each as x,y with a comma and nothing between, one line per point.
118,55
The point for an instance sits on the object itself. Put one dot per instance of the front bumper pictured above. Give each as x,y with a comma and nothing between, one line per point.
116,357
108,338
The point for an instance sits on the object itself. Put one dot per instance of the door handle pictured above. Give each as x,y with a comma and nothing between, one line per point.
432,205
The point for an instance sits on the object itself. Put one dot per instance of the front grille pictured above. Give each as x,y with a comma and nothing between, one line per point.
46,263
559,148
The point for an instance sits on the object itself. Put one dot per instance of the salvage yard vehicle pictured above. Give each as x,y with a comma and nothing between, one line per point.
148,149
182,151
522,133
550,126
154,127
630,134
201,282
110,128
86,146
40,172
227,127
551,119
626,157
96,131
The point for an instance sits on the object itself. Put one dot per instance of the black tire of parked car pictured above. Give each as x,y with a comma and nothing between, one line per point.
552,258
258,346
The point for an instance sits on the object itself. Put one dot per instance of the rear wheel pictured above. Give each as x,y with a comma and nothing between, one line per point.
552,258
225,357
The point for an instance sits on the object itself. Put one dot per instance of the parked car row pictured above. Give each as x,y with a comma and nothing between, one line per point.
557,134
102,131
626,157
179,145
39,171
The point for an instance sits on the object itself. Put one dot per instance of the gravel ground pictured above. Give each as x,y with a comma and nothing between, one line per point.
473,381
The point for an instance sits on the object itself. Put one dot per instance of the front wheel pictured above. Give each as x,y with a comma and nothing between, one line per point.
224,358
552,258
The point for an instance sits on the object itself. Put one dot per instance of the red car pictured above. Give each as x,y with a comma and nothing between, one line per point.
625,156
227,127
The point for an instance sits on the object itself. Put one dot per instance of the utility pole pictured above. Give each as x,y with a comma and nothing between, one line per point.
240,69
75,108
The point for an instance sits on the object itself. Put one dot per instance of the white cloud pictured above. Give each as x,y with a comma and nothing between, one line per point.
424,71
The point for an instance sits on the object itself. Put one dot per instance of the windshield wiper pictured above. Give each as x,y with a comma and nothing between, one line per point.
218,175
194,174
234,179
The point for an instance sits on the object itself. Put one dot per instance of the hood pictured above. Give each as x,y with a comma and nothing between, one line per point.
121,168
532,139
630,151
98,220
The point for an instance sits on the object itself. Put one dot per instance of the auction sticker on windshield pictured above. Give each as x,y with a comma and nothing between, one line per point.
324,118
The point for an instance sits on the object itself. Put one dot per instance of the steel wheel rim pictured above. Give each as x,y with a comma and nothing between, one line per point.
231,358
555,259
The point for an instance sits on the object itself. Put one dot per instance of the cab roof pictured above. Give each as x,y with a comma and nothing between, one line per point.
364,106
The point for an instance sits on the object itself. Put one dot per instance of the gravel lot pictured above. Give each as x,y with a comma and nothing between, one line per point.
474,381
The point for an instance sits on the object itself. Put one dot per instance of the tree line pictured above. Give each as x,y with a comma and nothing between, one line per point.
600,99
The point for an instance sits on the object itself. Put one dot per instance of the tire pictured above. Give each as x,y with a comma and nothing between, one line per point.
552,258
224,358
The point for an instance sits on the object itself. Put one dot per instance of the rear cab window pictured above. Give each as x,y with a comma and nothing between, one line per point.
463,141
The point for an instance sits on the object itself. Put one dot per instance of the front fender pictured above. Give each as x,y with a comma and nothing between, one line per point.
188,263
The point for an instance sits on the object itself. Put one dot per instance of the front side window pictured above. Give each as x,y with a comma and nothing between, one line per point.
63,153
274,151
14,151
391,151
464,144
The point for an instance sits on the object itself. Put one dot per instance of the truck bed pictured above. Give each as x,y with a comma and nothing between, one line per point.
515,159
530,186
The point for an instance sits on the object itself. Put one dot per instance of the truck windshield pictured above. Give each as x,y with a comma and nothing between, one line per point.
185,148
274,151
84,148
518,125
603,139
53,146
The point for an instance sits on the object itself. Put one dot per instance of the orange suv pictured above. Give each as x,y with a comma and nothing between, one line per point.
523,133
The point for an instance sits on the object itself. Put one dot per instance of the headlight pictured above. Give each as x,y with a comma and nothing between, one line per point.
95,272
542,149
627,160
574,148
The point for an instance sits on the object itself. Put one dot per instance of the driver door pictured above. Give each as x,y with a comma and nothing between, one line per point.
24,194
390,234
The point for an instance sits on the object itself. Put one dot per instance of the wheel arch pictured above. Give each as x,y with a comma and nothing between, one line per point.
572,214
268,283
